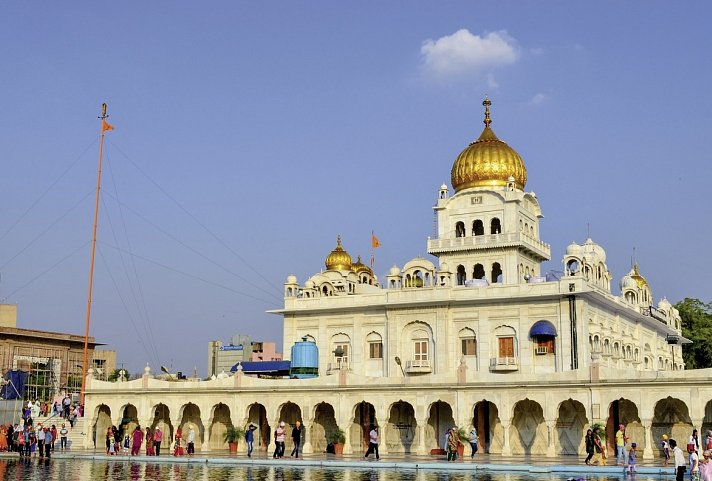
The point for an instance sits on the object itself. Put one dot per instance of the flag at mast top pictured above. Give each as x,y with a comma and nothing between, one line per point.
104,124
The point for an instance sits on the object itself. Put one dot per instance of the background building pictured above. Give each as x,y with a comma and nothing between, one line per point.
222,357
52,359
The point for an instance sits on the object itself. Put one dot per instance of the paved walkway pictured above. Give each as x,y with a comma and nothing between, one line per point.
564,465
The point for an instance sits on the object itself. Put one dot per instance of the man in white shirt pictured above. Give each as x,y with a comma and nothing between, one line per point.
40,439
373,443
191,441
679,460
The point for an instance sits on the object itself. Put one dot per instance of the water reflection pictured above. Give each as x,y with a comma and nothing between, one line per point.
72,470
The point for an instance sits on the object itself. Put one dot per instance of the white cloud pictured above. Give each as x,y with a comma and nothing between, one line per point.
463,53
538,99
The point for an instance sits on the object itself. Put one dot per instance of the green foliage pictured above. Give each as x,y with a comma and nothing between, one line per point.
116,373
338,436
233,434
463,435
601,430
696,326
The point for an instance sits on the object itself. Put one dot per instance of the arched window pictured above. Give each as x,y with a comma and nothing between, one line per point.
341,350
468,342
496,272
460,229
375,345
478,228
495,226
478,272
461,276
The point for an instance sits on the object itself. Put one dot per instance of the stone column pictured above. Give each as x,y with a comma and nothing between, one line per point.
551,431
382,417
205,445
308,422
420,429
506,449
648,439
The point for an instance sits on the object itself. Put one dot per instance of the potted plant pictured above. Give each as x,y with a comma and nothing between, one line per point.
338,438
464,438
232,436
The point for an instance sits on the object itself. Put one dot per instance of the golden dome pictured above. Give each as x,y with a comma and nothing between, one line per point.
488,162
359,267
638,278
338,259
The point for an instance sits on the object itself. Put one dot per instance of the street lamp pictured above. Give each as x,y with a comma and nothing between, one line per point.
398,361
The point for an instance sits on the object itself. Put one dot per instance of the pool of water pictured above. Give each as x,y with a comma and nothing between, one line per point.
99,470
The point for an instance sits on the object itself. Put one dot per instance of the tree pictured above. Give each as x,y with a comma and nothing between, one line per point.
697,326
116,373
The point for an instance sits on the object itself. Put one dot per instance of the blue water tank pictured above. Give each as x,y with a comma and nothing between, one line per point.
305,360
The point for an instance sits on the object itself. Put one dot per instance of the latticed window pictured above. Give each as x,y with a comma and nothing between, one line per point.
421,350
469,346
375,350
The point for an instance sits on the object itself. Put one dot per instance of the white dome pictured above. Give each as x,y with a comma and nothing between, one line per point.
395,271
291,279
628,283
591,247
443,187
664,305
574,249
309,284
419,263
444,267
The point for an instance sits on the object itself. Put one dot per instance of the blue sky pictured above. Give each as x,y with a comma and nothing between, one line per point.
249,134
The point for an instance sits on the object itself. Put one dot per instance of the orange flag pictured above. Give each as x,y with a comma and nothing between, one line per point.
374,241
106,126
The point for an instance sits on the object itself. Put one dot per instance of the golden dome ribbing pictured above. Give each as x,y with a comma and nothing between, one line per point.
488,162
338,259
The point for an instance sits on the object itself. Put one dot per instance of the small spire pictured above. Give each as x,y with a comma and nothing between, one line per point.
487,104
338,240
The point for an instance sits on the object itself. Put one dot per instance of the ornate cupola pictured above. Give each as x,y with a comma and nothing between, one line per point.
488,162
338,259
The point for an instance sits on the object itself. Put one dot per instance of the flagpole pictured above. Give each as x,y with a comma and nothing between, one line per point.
373,251
93,252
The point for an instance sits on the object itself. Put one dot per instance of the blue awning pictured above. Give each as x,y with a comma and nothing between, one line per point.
542,328
263,367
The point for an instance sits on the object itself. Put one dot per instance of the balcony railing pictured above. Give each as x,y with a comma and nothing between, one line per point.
534,245
338,366
504,364
418,366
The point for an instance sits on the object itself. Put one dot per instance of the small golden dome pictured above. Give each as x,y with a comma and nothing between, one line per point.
638,278
488,162
338,259
359,267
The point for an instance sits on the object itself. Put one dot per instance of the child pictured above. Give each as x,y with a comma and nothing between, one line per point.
127,445
694,462
631,459
666,450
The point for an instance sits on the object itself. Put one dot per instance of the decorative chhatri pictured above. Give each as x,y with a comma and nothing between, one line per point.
488,162
338,259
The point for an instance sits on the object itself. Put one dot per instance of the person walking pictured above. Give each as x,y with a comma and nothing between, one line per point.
679,459
695,439
473,441
48,442
632,457
453,442
136,441
373,443
191,441
621,441
296,438
63,432
694,463
279,437
590,445
41,439
250,439
157,439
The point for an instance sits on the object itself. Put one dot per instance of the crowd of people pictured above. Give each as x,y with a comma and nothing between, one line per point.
627,453
120,442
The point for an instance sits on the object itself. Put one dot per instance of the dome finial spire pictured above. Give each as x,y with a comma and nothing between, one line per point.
487,104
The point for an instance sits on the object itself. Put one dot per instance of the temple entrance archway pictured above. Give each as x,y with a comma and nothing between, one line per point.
257,415
571,426
528,433
221,421
102,421
190,418
402,430
129,420
672,417
489,428
624,411
439,421
363,421
162,421
323,428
